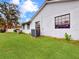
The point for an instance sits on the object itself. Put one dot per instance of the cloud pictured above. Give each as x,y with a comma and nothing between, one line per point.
3,16
24,20
27,19
26,6
29,6
15,2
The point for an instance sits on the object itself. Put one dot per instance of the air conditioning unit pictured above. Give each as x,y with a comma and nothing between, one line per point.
35,33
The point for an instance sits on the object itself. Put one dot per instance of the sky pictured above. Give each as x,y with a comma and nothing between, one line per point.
27,8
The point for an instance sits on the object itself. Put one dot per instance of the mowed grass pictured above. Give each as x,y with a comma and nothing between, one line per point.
23,46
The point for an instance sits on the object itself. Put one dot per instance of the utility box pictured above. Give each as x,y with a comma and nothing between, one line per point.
35,33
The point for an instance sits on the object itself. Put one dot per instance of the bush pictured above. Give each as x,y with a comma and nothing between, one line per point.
67,36
15,30
18,31
2,30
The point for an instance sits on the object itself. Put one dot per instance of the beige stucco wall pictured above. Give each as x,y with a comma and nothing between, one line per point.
10,30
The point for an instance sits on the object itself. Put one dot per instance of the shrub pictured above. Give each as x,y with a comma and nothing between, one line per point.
15,30
18,31
2,30
67,36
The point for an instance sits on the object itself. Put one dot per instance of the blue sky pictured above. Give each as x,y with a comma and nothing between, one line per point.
27,8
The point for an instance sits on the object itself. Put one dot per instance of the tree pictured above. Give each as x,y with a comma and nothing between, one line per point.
11,13
2,21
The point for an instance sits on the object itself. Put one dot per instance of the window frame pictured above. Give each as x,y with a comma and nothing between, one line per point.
62,25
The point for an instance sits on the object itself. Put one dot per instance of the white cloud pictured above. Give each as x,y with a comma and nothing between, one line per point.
27,19
29,6
3,16
15,2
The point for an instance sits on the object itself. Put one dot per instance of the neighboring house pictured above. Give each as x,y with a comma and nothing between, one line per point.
55,18
26,27
14,27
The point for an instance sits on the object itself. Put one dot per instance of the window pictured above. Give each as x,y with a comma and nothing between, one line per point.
62,21
37,24
23,26
28,26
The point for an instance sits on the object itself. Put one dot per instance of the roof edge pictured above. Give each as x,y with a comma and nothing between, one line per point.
49,2
36,13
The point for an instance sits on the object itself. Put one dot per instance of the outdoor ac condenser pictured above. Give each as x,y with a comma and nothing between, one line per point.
35,33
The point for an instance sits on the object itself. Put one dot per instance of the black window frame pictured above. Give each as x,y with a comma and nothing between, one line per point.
62,22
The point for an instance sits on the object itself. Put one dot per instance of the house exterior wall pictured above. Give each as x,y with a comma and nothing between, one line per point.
25,29
47,20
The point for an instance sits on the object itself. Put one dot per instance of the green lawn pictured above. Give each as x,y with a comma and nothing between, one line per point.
22,46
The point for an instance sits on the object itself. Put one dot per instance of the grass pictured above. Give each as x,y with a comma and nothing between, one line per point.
23,46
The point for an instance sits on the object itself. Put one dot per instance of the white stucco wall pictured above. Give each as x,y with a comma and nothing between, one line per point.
47,21
25,30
